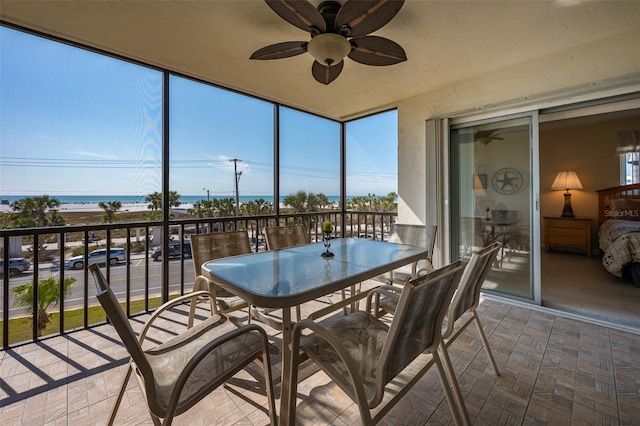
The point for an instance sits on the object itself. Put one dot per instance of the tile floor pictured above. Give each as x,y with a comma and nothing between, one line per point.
555,371
580,284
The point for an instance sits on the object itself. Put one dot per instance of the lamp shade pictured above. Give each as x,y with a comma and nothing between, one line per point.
328,48
566,181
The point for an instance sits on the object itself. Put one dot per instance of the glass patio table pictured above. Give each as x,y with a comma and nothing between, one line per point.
289,277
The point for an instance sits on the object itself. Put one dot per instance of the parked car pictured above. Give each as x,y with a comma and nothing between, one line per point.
17,265
174,250
98,256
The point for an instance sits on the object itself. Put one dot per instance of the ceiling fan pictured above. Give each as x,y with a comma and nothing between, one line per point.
337,31
485,137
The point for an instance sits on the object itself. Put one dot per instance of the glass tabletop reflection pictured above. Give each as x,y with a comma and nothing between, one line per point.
291,276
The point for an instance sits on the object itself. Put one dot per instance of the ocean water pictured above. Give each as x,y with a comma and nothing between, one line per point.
131,199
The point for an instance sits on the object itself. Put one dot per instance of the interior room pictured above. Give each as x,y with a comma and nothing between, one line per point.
573,279
586,144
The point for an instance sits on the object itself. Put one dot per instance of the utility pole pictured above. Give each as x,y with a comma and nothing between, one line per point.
237,181
205,189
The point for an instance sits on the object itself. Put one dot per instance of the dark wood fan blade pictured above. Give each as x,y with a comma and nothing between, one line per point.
324,74
280,50
300,13
378,51
357,18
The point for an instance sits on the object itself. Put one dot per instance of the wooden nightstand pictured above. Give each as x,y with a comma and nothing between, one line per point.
567,232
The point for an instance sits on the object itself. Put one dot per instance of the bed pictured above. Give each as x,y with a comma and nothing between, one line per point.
619,230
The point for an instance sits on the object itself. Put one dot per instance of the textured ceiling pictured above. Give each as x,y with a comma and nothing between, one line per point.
445,41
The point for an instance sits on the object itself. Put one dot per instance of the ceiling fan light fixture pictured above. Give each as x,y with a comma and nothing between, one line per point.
329,48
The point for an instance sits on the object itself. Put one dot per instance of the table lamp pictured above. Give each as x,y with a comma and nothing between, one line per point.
565,181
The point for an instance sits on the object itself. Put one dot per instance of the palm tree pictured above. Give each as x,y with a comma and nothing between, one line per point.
323,200
358,203
155,203
35,208
297,201
257,207
388,203
174,199
224,206
110,209
154,200
202,209
49,294
313,202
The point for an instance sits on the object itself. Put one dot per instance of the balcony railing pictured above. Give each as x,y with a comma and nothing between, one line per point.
140,283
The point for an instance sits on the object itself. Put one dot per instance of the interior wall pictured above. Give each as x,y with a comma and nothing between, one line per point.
590,150
512,152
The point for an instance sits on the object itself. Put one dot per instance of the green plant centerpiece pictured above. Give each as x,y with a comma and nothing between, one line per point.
327,230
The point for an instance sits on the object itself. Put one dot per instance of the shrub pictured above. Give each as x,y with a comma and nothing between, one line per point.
137,246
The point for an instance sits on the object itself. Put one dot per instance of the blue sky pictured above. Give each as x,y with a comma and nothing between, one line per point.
73,122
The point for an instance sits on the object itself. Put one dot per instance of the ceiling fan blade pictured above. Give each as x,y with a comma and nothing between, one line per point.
489,135
486,140
324,74
378,51
358,17
280,50
300,13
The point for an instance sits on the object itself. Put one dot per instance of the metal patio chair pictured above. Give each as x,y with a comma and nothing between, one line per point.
413,235
366,357
280,237
176,374
217,245
465,300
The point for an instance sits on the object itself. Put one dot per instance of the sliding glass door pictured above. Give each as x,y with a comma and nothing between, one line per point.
493,167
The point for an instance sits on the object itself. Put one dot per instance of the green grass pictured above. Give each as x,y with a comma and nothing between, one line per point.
20,328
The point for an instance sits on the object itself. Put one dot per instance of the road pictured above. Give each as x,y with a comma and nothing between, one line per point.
117,280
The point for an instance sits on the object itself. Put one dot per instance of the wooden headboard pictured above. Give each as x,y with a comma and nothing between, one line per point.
627,192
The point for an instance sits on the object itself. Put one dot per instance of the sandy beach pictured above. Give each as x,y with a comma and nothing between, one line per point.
94,207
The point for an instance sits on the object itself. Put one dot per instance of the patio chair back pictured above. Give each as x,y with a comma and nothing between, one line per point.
216,245
279,237
467,297
412,235
417,322
120,322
